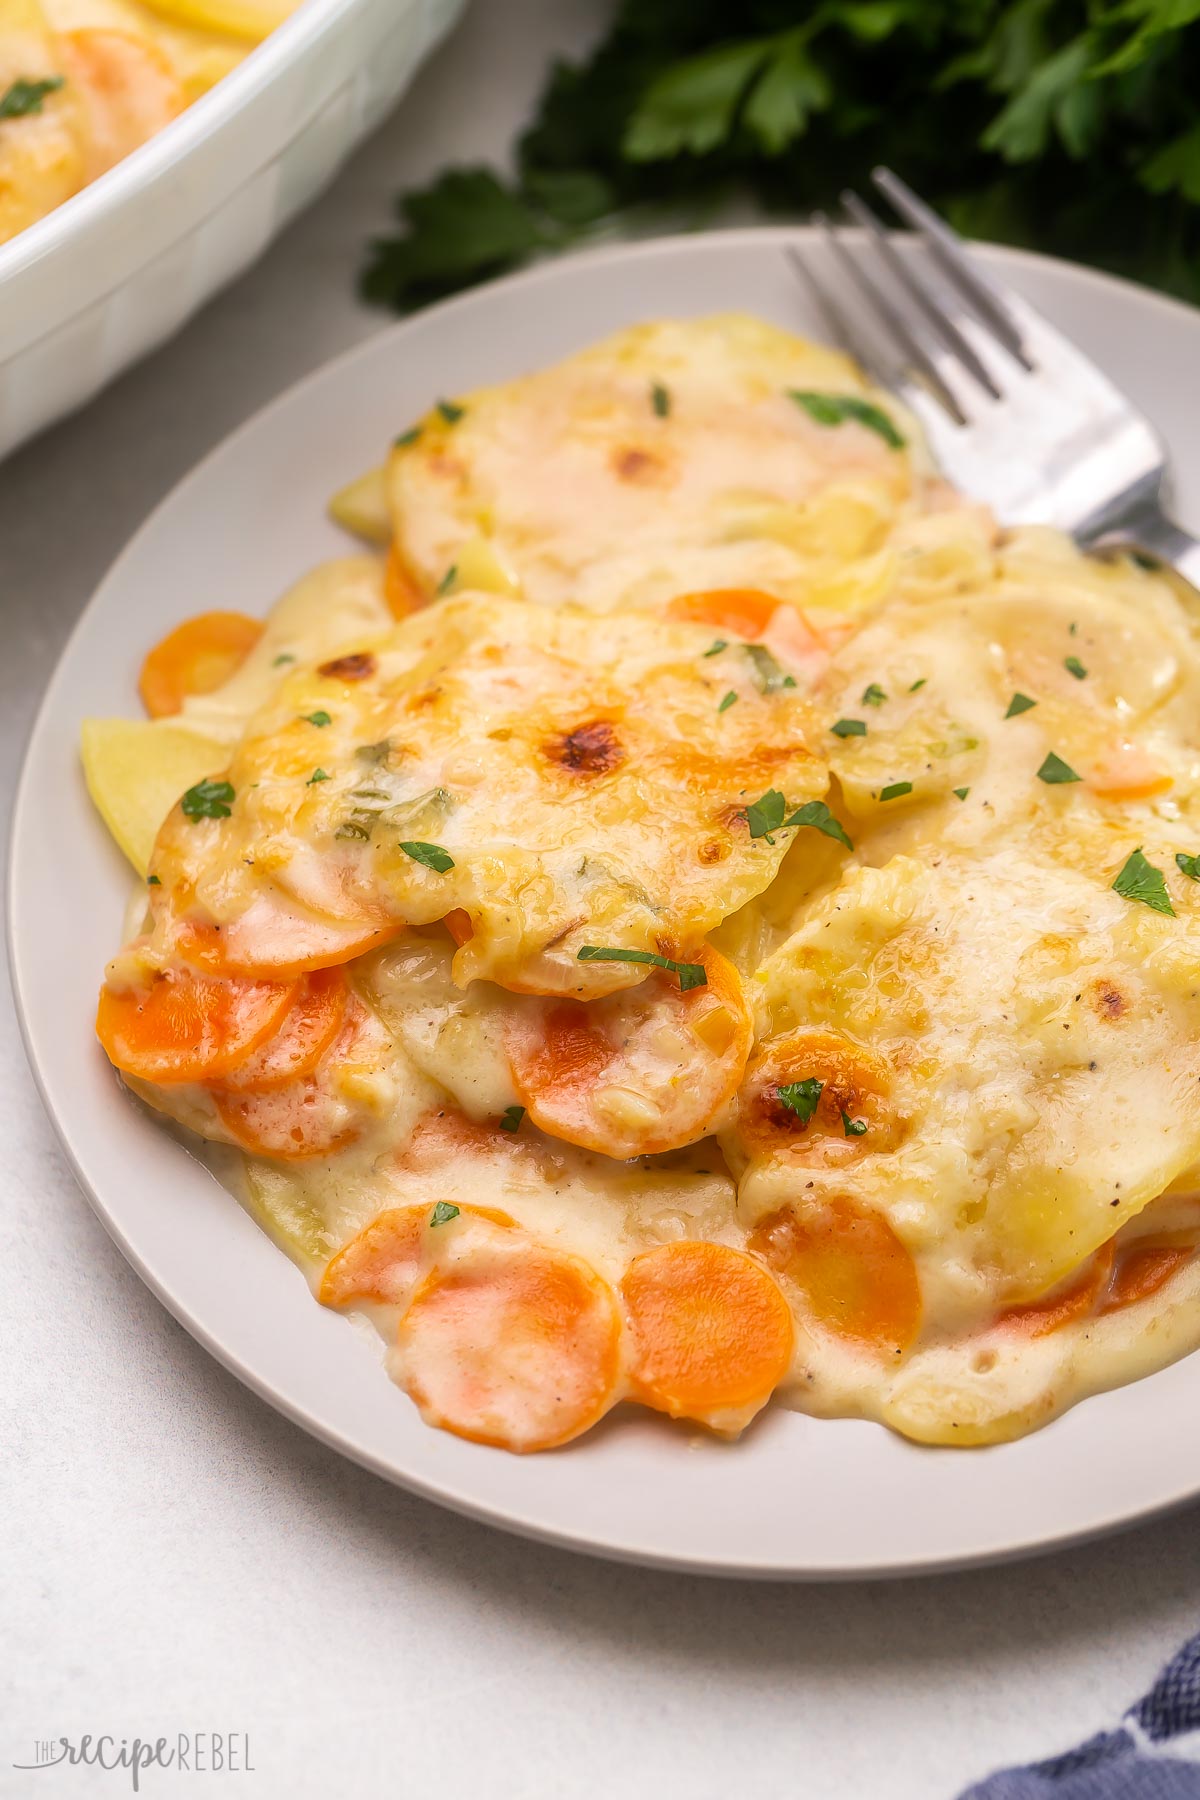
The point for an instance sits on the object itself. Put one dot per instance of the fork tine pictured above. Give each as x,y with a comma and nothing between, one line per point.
855,342
893,320
946,248
945,327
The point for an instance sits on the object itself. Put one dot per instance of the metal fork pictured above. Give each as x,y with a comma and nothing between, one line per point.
1014,413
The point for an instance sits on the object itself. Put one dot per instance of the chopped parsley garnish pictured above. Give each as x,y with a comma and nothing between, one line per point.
849,728
896,791
691,975
1140,880
407,437
852,1127
1074,626
727,702
450,412
768,676
447,581
442,1213
961,793
317,718
1055,771
25,97
769,815
1018,704
153,881
284,656
510,1118
835,409
208,800
431,856
917,685
716,647
1073,665
873,695
818,815
801,1097
660,400
1190,865
317,775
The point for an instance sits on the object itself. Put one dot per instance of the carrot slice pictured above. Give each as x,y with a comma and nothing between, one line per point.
401,589
1129,773
844,1083
712,1333
1142,1270
746,612
127,89
511,1344
306,1031
277,937
198,656
637,1072
385,1259
188,1026
1040,1317
856,1277
312,1116
458,924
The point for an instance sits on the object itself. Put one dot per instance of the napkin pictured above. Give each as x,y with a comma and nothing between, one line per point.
1148,1757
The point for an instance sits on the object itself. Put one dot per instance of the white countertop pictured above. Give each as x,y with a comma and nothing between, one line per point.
178,1558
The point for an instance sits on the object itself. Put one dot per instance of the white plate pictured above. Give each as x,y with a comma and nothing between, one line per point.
799,1496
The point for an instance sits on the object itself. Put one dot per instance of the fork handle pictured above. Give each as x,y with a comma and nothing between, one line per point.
1152,532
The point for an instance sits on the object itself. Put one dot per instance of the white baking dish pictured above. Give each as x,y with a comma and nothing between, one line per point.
100,281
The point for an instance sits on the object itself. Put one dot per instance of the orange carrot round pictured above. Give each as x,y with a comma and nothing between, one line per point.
184,1025
384,1260
401,588
511,1344
744,612
306,1031
307,1117
198,656
854,1275
711,1332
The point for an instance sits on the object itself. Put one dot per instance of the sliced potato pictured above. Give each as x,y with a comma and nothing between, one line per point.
361,507
135,771
249,19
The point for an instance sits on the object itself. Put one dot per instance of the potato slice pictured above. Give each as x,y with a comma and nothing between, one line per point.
135,771
362,507
249,19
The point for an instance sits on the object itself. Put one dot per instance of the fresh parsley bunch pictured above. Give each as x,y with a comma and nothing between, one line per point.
1067,125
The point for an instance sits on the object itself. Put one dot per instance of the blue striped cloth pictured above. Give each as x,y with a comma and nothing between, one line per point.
1147,1758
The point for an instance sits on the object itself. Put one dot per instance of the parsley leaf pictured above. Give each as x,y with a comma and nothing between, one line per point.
1075,667
24,97
801,1097
317,775
896,791
834,409
853,1127
317,718
1140,880
1018,704
961,793
153,881
447,582
442,1213
285,656
847,728
873,695
406,438
1190,865
769,678
818,815
727,702
510,1118
691,975
660,400
766,815
918,685
431,856
208,800
450,411
716,647
1055,771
